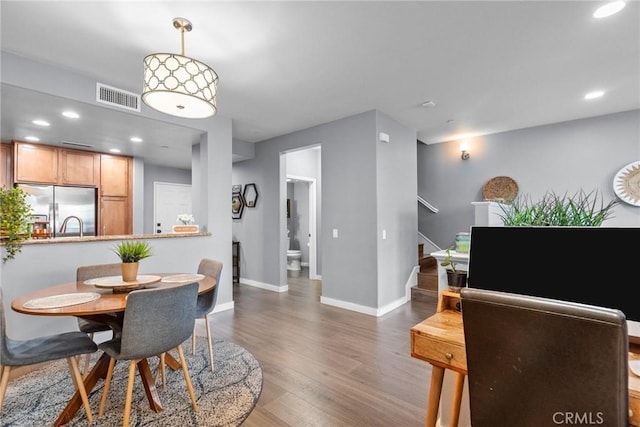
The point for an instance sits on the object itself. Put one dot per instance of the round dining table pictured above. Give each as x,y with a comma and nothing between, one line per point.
107,307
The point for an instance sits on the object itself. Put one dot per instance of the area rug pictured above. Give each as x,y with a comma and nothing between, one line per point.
225,397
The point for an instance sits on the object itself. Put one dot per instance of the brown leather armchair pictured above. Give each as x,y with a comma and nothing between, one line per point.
541,362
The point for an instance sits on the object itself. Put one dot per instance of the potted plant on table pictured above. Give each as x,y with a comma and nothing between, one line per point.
15,220
456,278
130,253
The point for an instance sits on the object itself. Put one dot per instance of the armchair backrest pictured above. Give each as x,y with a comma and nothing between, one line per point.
157,320
207,301
536,361
87,272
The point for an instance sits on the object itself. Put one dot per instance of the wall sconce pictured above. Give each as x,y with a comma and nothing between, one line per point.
464,149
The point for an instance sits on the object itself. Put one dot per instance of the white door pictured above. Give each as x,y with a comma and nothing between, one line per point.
169,201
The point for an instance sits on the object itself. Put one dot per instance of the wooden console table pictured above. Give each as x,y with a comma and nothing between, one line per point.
439,340
236,262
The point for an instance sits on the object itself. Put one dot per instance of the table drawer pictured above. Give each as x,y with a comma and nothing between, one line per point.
438,352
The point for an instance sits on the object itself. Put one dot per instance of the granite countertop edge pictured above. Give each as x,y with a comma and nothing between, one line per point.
33,241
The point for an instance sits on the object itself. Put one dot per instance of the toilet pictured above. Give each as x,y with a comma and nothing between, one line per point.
293,258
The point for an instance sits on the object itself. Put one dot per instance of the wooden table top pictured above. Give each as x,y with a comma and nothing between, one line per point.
109,301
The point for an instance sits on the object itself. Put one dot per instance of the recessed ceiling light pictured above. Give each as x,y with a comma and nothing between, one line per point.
32,138
135,139
71,114
40,122
595,94
609,9
114,150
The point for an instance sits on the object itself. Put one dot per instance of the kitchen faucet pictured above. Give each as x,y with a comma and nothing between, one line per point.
63,227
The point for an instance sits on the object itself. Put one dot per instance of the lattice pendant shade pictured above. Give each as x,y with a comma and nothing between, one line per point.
179,85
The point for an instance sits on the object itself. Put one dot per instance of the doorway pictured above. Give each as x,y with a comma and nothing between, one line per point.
302,167
301,220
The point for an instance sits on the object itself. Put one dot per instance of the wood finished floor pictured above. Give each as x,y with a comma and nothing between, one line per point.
325,366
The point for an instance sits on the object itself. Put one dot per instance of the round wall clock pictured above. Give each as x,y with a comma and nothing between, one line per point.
626,183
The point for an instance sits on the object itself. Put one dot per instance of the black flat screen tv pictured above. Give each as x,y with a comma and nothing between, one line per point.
590,265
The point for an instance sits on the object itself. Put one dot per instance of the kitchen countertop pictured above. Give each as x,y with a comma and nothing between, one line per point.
114,237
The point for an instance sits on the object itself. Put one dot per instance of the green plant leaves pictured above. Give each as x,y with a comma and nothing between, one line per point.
15,220
132,251
580,210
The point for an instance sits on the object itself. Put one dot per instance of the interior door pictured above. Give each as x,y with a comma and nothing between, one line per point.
169,201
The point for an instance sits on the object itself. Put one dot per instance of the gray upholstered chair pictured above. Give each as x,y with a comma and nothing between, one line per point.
66,345
535,361
155,321
207,301
87,272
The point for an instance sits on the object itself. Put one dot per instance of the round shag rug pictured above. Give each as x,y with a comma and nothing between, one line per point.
225,397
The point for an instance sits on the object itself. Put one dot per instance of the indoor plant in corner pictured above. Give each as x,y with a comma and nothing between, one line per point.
15,220
130,253
456,278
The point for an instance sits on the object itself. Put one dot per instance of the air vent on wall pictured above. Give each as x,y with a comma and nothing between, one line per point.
117,97
76,144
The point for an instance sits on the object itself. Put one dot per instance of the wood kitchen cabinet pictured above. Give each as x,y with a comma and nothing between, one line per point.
115,175
5,165
79,167
115,216
35,163
45,164
116,195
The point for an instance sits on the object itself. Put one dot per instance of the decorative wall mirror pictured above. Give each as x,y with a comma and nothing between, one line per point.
250,195
237,205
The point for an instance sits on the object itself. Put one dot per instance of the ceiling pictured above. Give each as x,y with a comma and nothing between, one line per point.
285,66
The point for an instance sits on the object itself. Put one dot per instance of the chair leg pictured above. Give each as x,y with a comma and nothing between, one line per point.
3,383
127,402
206,322
107,383
87,358
187,378
79,383
193,340
161,368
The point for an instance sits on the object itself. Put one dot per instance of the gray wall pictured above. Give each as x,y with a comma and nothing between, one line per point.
562,157
358,200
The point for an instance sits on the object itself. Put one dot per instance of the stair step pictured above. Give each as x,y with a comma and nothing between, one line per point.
425,295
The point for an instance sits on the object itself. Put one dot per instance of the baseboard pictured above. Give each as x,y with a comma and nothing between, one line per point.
266,286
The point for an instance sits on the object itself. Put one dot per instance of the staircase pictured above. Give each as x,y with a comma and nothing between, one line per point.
427,287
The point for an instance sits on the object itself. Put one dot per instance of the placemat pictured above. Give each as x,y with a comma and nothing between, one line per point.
62,300
179,278
116,282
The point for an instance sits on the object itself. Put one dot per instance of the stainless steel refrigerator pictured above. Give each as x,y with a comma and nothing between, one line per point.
76,205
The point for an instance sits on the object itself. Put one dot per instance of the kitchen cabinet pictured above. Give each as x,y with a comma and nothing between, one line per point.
5,165
115,216
45,164
115,175
116,195
79,167
35,163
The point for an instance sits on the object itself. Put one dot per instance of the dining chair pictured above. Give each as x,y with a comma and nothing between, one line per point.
90,327
536,361
67,345
155,321
207,302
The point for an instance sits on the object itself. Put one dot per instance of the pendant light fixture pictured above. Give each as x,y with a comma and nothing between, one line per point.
179,85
